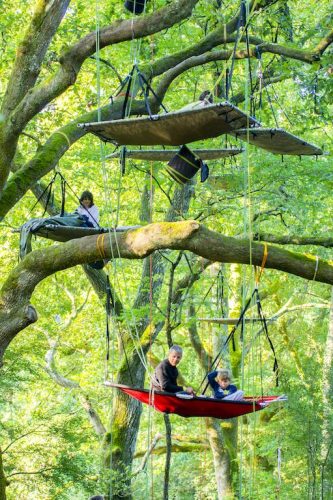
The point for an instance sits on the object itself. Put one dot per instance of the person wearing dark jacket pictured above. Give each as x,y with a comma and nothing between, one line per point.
219,380
166,373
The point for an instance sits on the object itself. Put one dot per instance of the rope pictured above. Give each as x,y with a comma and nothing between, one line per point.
247,229
65,136
316,268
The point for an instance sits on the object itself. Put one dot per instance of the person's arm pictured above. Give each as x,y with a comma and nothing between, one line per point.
94,214
232,389
165,379
211,380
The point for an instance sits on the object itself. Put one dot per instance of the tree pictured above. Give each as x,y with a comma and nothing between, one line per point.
33,112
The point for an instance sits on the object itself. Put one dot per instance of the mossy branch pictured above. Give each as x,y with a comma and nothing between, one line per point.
138,244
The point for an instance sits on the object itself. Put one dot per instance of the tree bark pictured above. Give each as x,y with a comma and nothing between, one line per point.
167,456
127,411
327,433
16,313
3,482
220,457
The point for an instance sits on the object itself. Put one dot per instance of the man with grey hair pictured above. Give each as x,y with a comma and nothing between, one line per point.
166,373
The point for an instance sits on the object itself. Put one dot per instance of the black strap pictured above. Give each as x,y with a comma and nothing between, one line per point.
47,189
145,91
150,89
127,93
230,337
63,196
109,305
122,159
264,324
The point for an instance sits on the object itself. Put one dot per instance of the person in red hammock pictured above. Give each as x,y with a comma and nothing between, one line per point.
219,380
166,373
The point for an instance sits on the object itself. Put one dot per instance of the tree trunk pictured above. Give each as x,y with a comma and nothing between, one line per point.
167,456
127,411
327,435
3,482
220,457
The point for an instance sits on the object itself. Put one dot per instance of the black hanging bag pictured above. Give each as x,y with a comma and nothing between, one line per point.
184,165
135,6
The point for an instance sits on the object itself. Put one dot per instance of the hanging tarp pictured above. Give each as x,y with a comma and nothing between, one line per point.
63,233
173,129
277,140
167,154
57,228
166,402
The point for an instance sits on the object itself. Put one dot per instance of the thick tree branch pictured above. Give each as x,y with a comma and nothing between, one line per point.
48,156
137,244
219,36
69,384
324,43
186,63
322,241
31,51
177,448
72,60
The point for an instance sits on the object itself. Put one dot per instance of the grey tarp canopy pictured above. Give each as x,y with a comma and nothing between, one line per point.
167,154
277,141
173,129
68,227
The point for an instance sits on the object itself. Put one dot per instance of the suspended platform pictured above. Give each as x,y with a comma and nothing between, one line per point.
277,140
168,154
232,321
202,406
173,129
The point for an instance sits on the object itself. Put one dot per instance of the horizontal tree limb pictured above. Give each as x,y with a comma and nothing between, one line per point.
320,241
72,60
138,244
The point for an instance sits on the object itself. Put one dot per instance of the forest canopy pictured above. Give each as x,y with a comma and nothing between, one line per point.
188,256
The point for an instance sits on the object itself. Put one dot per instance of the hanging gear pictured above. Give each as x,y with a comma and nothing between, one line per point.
185,164
135,6
126,87
254,297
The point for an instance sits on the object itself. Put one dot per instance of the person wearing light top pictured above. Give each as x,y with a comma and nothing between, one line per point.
88,210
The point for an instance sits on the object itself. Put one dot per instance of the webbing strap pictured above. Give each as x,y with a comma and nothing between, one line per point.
230,337
63,196
259,273
109,302
46,190
100,245
264,323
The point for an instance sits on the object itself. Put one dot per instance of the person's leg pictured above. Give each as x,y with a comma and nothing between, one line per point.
236,396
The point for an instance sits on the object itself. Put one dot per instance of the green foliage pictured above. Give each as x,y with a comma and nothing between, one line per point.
50,448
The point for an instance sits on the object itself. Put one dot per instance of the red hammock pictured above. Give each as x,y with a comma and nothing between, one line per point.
167,402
